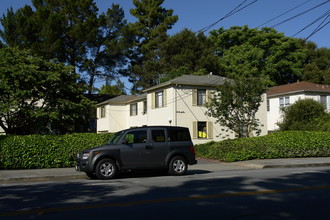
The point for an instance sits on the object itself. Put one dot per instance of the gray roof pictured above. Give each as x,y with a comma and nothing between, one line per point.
124,99
192,80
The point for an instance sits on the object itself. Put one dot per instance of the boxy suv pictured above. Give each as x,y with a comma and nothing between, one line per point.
140,148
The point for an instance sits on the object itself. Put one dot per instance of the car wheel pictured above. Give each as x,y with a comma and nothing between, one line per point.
178,166
105,169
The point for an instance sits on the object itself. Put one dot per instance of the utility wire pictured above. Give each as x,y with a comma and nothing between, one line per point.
283,13
232,12
319,28
326,14
300,13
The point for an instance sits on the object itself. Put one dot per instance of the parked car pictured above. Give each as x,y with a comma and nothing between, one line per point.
167,147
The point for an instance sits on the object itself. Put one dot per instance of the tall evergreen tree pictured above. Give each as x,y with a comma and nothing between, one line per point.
150,31
70,31
188,53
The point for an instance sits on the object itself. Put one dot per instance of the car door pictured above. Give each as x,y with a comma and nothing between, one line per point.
133,147
159,146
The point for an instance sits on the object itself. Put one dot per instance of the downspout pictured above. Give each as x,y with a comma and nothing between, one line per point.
175,106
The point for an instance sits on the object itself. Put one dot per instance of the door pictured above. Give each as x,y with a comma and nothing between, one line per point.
134,144
159,147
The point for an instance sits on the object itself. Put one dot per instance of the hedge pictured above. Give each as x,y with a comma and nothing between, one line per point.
55,151
288,144
45,151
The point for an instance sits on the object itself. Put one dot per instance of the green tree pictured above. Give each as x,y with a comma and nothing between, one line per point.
317,64
108,89
150,31
187,53
236,102
279,57
108,50
305,114
34,97
72,32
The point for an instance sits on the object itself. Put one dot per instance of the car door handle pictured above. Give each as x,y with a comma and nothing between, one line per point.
149,147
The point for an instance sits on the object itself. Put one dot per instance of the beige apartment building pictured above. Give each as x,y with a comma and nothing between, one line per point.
178,102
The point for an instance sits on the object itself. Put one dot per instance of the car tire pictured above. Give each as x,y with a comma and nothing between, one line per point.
177,166
106,169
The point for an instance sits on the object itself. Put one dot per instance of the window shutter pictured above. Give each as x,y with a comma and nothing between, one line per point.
165,97
153,97
195,130
208,97
194,97
209,128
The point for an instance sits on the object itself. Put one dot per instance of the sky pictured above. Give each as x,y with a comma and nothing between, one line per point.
294,18
198,14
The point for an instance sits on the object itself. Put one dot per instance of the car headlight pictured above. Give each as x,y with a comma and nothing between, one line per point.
85,156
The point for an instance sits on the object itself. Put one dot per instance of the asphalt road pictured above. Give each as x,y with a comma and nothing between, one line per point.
277,193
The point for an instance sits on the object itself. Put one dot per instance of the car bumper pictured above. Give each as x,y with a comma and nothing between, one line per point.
82,166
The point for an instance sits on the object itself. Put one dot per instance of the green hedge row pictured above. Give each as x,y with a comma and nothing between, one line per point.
288,144
45,151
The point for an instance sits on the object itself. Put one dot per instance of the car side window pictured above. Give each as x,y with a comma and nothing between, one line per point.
158,135
136,137
178,134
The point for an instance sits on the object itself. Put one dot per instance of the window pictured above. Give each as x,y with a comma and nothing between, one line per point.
102,112
323,100
158,135
201,126
133,109
284,102
287,101
201,96
178,134
268,105
145,107
202,129
159,99
136,137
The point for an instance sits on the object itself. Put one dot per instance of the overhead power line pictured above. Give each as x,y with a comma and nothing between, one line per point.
326,15
304,12
319,27
232,12
283,13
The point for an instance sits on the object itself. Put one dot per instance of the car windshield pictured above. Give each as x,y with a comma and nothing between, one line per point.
114,139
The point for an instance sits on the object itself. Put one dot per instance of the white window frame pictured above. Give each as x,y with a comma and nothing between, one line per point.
133,109
201,97
159,99
102,112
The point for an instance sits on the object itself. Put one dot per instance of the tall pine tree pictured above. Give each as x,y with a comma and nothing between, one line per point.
150,31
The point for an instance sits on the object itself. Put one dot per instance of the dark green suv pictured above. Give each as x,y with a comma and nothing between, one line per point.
140,148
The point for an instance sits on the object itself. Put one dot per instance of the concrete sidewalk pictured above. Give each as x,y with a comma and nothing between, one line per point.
8,176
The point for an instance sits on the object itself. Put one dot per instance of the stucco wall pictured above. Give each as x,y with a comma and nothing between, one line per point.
178,111
275,114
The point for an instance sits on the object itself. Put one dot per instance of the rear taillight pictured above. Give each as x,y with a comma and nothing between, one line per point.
192,149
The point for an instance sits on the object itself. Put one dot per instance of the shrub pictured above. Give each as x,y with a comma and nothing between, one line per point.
288,144
303,115
45,151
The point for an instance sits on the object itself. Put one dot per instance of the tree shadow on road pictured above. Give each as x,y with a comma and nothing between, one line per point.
193,196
